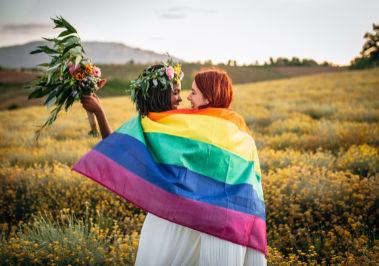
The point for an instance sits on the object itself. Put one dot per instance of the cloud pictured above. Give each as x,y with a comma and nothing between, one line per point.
183,12
25,28
13,34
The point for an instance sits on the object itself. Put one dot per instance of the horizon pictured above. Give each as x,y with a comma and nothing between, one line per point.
190,62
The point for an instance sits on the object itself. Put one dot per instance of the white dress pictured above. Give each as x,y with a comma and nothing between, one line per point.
164,243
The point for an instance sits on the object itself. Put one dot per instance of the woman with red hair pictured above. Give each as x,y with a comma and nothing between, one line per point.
166,243
211,88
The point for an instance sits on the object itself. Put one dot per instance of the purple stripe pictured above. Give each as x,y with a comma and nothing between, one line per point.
237,227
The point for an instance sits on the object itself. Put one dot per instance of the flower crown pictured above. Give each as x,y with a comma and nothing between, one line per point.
166,76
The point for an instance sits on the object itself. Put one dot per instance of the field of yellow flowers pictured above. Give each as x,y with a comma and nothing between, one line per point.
317,138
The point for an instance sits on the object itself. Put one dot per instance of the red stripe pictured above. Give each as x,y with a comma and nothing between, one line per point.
224,113
240,228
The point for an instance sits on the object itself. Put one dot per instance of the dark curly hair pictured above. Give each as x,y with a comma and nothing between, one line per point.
159,100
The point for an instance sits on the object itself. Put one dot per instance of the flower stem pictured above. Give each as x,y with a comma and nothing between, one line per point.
92,122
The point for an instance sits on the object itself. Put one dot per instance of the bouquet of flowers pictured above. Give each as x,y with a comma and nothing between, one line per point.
68,75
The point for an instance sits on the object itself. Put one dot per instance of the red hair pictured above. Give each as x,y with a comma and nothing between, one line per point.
216,87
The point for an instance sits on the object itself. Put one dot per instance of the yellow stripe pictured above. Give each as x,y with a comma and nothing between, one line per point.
207,129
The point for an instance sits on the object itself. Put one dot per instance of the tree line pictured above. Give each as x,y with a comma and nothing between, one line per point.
294,61
369,55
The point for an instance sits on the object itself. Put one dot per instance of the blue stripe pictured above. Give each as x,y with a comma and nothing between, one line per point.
134,156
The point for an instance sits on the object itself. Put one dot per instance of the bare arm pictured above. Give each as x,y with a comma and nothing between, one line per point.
92,104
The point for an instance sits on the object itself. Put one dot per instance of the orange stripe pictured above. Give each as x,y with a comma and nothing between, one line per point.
224,113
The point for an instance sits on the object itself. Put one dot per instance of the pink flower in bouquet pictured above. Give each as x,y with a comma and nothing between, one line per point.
72,68
170,72
96,72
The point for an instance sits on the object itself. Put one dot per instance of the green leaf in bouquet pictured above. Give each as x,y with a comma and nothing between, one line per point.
48,50
65,66
58,23
46,91
60,90
51,96
37,51
44,65
70,41
49,77
54,114
69,38
38,92
77,97
54,60
51,39
50,120
78,59
69,102
68,48
67,25
67,82
77,50
41,82
35,93
52,78
64,33
64,96
65,57
53,68
51,102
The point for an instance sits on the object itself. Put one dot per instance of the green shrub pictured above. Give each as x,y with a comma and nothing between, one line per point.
13,106
68,241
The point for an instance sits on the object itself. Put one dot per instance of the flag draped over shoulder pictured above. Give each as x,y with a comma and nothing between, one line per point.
196,168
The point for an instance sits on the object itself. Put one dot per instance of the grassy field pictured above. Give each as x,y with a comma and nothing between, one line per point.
317,139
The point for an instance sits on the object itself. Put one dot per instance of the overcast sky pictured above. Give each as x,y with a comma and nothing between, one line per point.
219,30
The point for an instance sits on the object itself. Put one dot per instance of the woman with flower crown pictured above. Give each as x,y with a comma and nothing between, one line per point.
202,221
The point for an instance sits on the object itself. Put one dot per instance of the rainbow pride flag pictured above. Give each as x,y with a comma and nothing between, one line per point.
196,168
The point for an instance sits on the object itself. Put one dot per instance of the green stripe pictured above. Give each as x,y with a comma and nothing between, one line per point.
133,128
221,164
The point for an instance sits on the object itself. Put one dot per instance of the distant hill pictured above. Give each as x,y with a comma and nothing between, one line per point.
19,56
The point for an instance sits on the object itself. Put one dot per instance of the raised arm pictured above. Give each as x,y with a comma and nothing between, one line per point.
92,104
